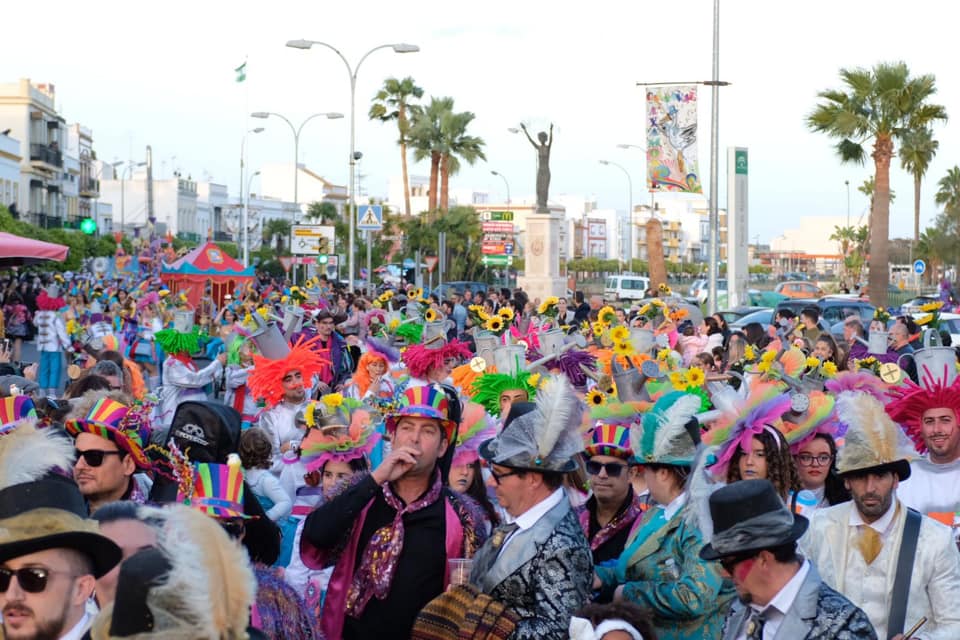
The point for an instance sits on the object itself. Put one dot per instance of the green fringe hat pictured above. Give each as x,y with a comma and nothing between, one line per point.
487,388
172,341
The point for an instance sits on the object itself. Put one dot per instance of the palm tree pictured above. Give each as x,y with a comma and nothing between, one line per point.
867,189
916,153
456,145
948,193
427,138
276,228
881,105
392,102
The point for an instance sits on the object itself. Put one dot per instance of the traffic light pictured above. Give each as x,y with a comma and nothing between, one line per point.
322,258
324,244
88,226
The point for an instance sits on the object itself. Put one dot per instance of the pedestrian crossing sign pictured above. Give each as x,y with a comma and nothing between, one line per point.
370,217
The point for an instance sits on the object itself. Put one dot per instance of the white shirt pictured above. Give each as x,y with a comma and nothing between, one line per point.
78,629
882,525
776,610
931,487
530,517
671,509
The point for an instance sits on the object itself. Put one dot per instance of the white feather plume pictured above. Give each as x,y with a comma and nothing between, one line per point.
671,437
557,428
28,453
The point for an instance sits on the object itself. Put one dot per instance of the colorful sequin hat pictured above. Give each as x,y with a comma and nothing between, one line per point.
218,489
127,427
428,401
609,440
13,409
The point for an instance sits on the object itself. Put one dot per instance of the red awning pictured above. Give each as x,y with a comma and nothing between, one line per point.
16,251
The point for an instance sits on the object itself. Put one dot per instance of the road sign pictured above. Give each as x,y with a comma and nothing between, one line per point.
504,216
497,261
431,262
508,248
310,240
287,262
370,217
493,248
919,266
497,227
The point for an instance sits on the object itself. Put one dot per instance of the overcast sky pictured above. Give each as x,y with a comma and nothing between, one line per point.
164,77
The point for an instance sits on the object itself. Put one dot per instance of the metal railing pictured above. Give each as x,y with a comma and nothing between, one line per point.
90,185
44,153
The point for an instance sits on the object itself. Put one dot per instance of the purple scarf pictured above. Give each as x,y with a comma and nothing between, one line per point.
379,562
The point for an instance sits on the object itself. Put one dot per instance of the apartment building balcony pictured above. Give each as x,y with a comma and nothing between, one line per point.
46,154
89,188
222,236
45,220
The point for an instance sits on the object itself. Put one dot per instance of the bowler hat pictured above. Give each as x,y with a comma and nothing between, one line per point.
749,515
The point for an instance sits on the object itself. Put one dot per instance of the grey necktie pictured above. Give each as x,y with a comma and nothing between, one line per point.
487,555
755,625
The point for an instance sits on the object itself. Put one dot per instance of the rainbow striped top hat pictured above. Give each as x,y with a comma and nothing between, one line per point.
218,489
13,409
127,427
428,401
609,440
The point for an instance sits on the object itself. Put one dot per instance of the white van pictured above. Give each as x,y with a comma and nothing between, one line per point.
626,288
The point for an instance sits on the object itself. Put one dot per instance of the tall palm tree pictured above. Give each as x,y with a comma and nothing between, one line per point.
869,186
916,153
948,193
456,145
393,102
427,138
276,228
881,105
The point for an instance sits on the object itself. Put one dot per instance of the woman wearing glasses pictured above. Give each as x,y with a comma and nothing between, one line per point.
660,569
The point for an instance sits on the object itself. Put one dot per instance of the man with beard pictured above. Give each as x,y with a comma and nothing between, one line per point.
392,532
895,564
929,413
282,384
333,350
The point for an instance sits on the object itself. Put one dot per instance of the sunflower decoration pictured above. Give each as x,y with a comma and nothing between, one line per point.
768,356
931,317
619,334
749,353
534,380
663,355
495,325
506,313
549,307
298,295
679,314
596,398
597,329
813,363
696,377
679,381
416,293
882,315
665,290
477,315
431,315
653,309
607,316
332,400
393,325
623,348
828,369
869,364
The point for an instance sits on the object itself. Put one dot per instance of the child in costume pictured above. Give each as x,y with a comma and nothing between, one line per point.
239,365
255,455
52,340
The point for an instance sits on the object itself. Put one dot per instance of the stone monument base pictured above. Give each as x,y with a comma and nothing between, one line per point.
542,277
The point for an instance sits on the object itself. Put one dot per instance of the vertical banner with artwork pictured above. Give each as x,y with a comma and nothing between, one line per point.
672,139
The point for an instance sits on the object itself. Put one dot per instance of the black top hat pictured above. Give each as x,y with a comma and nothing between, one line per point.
138,574
750,516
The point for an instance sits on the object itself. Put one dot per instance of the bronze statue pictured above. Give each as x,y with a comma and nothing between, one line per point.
543,165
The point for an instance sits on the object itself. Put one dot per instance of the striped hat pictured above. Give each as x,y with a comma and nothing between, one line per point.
13,409
127,427
609,440
424,402
218,489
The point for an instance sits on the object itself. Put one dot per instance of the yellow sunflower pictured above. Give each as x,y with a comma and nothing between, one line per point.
622,348
749,353
552,300
308,414
596,398
619,334
394,324
663,354
506,313
416,293
607,315
430,315
377,304
597,329
644,310
332,400
763,367
931,306
768,356
678,381
812,363
695,376
494,323
829,369
534,380
924,320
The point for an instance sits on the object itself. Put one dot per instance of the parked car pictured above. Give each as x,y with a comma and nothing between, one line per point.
733,315
912,306
799,290
626,288
950,322
763,316
703,291
832,309
459,286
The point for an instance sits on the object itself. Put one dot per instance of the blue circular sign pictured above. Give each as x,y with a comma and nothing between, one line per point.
919,266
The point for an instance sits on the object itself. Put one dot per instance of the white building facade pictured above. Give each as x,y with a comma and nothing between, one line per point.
10,159
277,182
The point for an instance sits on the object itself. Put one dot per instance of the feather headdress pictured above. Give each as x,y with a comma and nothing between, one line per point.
476,426
873,440
907,404
204,589
28,454
545,439
761,410
667,437
818,419
847,381
340,444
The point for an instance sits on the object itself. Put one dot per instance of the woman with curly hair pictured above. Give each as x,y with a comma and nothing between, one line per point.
767,456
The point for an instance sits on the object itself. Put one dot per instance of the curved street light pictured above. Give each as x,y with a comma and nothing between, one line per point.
630,210
352,72
506,184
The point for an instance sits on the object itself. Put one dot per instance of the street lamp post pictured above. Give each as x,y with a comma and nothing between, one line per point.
352,72
245,221
847,184
123,181
630,210
505,183
329,115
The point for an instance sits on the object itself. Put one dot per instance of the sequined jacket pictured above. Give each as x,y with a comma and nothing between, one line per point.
685,597
544,575
818,613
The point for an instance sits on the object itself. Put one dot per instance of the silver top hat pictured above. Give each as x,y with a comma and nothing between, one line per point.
292,319
510,360
552,342
270,342
53,291
435,333
183,321
486,344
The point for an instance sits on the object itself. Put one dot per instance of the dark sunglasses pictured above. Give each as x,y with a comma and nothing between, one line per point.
499,476
614,469
30,579
94,457
730,562
234,527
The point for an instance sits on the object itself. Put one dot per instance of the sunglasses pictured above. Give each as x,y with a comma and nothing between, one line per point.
234,527
30,579
613,469
94,457
497,477
730,562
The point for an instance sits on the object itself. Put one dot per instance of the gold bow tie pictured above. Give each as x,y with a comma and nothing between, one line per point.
869,543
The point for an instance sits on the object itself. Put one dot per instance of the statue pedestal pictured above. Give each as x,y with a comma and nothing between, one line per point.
541,255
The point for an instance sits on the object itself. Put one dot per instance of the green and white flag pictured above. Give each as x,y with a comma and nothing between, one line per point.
241,72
